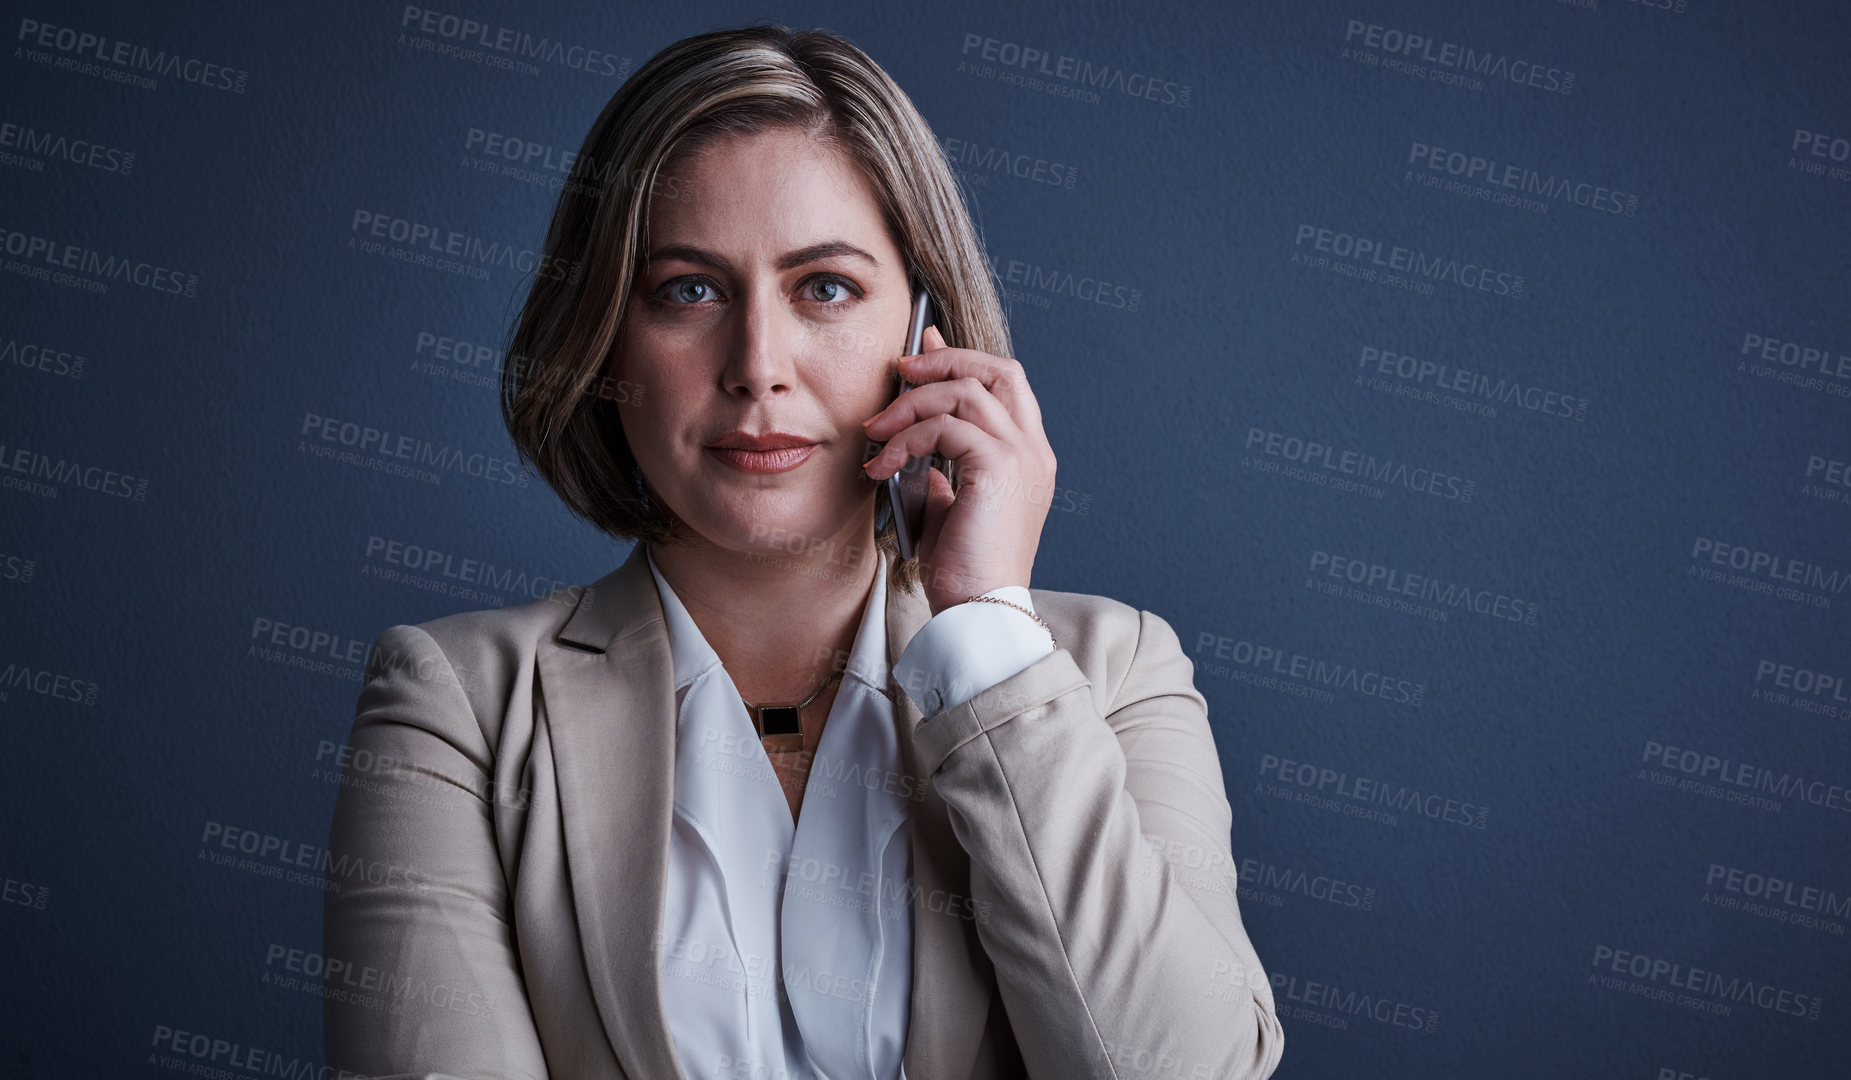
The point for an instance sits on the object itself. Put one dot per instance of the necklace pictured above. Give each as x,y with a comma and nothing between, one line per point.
784,718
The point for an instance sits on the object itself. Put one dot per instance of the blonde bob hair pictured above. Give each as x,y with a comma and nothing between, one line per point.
559,397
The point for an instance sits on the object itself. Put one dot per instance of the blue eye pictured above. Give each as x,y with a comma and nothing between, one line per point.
687,291
830,290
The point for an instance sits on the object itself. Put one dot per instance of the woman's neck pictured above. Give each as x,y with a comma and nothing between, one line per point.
780,623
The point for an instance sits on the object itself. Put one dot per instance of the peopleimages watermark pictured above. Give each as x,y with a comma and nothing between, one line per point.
1809,367
1776,898
1474,390
1710,991
1133,1059
346,980
978,162
214,1057
1069,76
1796,355
1803,688
1357,463
502,46
533,161
276,857
467,362
526,160
831,884
131,63
359,768
49,359
1040,282
452,250
1821,145
1324,999
1192,865
1330,784
1817,144
35,147
1766,572
16,893
477,581
46,683
324,652
38,474
1827,479
1269,883
1711,774
1471,168
1424,56
384,450
1388,263
1303,668
715,963
16,567
87,268
1372,576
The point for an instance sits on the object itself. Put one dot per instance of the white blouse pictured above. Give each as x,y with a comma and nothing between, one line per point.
786,950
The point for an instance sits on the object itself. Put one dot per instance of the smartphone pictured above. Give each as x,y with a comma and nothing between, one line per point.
907,488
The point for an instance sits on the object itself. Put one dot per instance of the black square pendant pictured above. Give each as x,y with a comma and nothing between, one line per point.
779,720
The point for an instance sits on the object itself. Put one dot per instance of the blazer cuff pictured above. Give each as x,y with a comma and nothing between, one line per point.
1033,688
968,648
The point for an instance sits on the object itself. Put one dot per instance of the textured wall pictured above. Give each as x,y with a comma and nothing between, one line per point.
1468,384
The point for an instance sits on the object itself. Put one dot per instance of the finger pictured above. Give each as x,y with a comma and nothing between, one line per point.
1003,378
965,398
939,499
943,434
934,339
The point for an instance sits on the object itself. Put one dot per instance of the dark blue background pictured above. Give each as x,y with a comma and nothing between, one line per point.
114,925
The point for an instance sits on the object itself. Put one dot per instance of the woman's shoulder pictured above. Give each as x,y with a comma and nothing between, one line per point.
519,626
485,646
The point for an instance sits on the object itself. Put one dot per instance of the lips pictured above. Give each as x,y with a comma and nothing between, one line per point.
772,452
772,440
763,461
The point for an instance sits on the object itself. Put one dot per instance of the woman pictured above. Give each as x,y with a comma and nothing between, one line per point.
767,801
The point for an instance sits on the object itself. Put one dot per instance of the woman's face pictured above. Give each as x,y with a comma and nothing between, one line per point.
774,301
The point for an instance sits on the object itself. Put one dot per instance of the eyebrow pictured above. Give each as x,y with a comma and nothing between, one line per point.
828,249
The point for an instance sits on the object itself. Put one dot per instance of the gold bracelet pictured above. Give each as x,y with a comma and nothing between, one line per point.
1018,607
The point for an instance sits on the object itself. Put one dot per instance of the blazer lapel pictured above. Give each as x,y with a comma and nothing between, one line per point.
608,689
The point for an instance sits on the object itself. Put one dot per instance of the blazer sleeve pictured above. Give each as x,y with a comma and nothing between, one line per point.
1102,871
421,974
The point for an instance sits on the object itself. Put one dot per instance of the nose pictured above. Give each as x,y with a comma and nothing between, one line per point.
760,348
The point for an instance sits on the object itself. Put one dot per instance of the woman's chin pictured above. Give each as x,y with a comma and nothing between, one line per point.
780,527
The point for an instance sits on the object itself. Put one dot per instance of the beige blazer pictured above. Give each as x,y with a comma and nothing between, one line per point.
501,845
